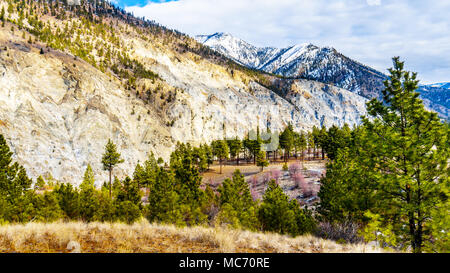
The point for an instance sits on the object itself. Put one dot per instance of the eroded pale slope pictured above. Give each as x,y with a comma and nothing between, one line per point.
57,112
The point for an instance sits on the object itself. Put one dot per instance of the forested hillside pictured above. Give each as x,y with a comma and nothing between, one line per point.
105,117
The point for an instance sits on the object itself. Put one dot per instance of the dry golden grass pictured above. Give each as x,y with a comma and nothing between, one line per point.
143,237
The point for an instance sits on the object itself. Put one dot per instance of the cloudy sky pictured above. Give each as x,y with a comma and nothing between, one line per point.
369,31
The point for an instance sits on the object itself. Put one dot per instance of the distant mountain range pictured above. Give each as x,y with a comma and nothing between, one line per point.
323,64
444,85
306,61
437,97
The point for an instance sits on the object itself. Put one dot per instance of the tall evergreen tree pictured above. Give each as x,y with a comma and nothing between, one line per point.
14,181
277,214
164,201
322,140
221,151
187,183
236,203
235,146
109,160
393,172
68,199
261,160
287,141
408,148
88,178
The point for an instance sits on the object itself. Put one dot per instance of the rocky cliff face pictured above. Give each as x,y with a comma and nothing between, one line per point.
57,111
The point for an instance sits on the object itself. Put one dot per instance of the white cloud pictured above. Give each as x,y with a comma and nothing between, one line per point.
373,2
366,30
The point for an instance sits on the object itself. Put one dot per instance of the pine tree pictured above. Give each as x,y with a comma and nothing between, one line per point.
322,140
236,203
287,141
46,207
109,160
391,174
208,153
40,183
261,160
88,179
164,205
148,173
347,191
336,139
68,199
138,175
277,214
235,146
221,151
89,204
13,178
129,191
200,159
187,183
316,136
408,148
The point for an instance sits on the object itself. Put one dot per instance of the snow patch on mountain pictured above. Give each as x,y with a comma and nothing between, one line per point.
307,61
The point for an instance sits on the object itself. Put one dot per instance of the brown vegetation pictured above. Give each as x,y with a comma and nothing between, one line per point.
143,237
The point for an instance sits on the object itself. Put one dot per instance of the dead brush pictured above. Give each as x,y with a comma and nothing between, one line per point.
147,237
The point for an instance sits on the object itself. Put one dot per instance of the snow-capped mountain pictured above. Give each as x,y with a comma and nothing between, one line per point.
444,85
239,50
323,64
437,97
308,61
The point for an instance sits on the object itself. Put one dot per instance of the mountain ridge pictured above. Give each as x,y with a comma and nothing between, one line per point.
324,64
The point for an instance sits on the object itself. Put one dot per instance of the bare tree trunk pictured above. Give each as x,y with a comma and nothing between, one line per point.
110,184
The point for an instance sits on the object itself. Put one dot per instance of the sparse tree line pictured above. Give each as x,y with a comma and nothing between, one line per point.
175,196
313,145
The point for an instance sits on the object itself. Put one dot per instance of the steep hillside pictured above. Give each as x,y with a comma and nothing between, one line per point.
301,61
74,76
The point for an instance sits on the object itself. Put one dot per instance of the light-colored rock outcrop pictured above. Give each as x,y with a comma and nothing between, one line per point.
58,112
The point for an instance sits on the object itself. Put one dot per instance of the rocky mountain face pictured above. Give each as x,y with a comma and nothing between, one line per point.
437,98
301,61
443,85
321,64
65,93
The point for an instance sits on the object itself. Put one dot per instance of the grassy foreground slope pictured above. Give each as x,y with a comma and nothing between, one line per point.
143,237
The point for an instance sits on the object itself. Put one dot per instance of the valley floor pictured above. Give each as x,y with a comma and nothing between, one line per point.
258,180
143,237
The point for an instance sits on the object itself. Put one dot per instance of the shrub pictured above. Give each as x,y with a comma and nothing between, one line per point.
127,211
341,232
275,175
294,169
